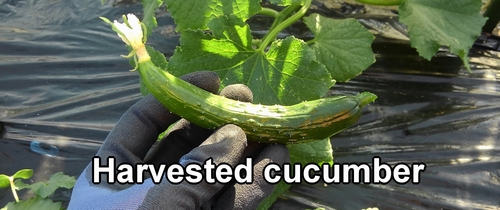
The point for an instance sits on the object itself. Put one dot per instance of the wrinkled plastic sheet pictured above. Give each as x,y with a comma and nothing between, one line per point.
64,86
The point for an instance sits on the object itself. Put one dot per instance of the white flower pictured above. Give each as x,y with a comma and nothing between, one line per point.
130,31
132,35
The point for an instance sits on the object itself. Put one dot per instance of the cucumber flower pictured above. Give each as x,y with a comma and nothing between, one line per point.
130,31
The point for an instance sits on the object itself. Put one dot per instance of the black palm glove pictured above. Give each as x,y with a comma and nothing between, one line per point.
133,141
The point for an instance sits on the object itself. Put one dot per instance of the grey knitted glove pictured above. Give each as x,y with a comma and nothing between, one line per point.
134,141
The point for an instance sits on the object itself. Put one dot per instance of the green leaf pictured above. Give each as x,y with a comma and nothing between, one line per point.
57,180
20,184
62,180
311,152
280,188
149,19
195,14
432,23
4,181
35,203
23,174
229,26
343,46
286,74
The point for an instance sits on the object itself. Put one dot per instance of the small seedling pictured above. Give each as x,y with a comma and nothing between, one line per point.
42,190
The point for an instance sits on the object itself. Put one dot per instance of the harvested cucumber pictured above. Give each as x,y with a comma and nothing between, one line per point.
306,121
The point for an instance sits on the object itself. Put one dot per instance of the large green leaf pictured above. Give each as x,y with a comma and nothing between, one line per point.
311,152
195,14
45,189
149,19
433,23
230,26
344,46
57,180
280,188
286,74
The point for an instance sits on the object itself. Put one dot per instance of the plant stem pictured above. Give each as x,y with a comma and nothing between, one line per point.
269,12
312,41
382,2
13,188
271,36
281,16
285,14
493,14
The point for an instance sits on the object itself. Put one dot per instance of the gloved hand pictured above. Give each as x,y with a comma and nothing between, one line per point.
134,140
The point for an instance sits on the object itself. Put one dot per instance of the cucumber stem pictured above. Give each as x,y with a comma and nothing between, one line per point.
268,12
312,41
142,54
279,18
271,36
493,14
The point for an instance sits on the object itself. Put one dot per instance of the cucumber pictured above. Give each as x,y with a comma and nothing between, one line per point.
303,122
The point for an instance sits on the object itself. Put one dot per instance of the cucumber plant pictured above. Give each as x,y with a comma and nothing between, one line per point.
215,36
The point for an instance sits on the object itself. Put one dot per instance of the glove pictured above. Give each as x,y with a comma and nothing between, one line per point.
134,141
